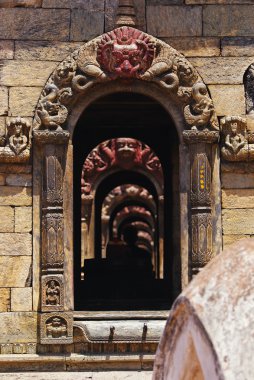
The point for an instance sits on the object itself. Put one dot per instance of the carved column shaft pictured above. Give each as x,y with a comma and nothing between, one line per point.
200,148
56,325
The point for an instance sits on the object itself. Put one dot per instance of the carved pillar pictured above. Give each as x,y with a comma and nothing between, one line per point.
200,148
56,323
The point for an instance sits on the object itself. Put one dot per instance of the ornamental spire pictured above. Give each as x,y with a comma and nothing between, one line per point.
126,13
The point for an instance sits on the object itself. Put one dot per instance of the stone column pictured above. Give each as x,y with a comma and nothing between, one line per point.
200,148
56,321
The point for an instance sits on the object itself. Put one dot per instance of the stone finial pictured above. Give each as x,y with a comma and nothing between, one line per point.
126,13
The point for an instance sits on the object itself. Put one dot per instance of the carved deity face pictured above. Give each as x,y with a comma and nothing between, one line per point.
234,128
18,129
126,149
52,284
56,322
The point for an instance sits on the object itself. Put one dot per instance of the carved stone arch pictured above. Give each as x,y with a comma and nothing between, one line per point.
127,60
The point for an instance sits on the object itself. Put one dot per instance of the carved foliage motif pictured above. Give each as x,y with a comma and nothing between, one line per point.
201,240
123,153
124,53
52,240
52,293
15,146
56,328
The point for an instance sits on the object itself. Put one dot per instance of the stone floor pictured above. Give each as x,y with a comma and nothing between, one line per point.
110,375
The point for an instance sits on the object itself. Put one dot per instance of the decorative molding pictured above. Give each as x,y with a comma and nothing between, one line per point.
124,53
51,137
18,348
195,137
56,328
16,144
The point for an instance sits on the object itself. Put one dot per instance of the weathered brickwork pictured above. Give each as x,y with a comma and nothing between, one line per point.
217,36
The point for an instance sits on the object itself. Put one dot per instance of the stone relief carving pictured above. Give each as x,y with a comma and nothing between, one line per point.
56,328
52,292
124,53
249,89
123,153
234,139
52,240
15,146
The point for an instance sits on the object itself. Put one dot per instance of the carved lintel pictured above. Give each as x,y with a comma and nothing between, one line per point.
193,136
52,293
52,240
51,137
201,240
56,328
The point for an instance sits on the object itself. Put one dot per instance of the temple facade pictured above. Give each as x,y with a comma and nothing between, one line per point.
126,165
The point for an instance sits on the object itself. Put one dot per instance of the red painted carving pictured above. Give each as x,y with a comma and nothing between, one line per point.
125,52
122,153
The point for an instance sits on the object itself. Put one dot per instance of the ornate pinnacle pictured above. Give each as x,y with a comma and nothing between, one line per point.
126,13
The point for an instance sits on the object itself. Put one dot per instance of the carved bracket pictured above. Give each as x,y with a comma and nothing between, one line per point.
16,144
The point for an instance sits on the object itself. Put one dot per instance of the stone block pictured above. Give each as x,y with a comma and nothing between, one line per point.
25,73
44,50
171,21
23,219
15,168
86,25
238,222
2,126
237,181
20,3
3,101
222,70
237,46
15,271
195,46
6,49
230,239
2,179
23,100
218,1
15,244
15,196
4,300
238,198
19,180
89,5
111,9
6,219
35,24
228,99
18,327
21,299
164,2
224,20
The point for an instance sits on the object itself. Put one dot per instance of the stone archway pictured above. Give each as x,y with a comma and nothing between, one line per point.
125,59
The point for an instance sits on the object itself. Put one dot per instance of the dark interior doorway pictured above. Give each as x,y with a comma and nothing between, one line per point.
138,117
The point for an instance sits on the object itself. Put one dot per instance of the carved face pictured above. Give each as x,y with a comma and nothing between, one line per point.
18,129
234,128
56,322
126,149
125,52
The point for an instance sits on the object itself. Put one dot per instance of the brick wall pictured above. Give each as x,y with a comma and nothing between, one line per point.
216,35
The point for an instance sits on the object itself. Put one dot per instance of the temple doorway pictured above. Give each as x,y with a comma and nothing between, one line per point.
126,206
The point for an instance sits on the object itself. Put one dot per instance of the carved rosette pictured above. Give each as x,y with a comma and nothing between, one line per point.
200,147
56,328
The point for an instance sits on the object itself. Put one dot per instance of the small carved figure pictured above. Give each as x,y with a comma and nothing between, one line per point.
127,152
52,293
56,327
18,131
65,72
235,143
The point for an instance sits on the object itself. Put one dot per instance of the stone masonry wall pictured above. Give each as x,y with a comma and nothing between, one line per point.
217,36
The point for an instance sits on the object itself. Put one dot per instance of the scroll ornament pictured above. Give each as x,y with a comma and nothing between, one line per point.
15,145
124,54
